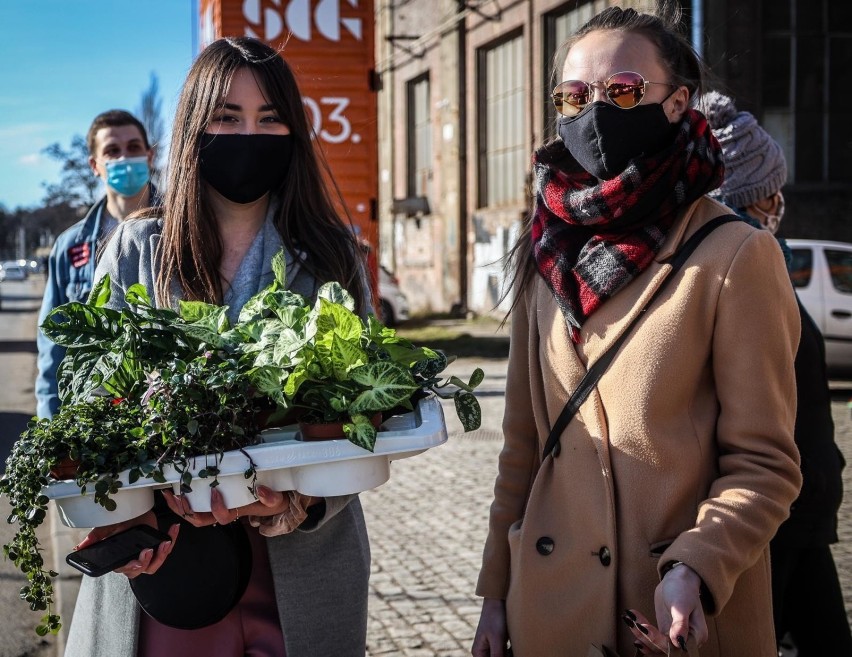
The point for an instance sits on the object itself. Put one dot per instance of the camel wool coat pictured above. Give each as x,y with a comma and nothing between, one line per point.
684,451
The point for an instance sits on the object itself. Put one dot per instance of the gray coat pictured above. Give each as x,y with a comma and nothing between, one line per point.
320,575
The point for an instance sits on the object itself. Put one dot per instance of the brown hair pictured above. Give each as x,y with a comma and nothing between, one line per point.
190,248
113,119
678,56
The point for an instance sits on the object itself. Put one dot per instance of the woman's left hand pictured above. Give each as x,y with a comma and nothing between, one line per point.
677,602
270,503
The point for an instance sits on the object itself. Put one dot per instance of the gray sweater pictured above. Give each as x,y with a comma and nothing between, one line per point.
320,575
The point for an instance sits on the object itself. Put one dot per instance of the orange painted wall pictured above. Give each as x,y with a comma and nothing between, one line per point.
329,44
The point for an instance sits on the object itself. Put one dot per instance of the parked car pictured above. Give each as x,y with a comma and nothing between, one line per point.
393,303
12,271
822,275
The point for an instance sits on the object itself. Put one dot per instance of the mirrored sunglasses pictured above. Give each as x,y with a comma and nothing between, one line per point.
625,89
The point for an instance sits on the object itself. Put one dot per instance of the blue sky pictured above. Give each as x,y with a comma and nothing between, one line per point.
64,61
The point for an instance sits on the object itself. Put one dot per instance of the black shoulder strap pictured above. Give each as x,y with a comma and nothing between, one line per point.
594,373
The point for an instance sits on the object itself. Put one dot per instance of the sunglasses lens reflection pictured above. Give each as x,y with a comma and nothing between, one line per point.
625,90
570,97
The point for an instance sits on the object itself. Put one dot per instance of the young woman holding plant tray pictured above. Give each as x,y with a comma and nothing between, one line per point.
245,181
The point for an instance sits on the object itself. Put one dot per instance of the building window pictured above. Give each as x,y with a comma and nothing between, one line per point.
806,88
502,148
419,136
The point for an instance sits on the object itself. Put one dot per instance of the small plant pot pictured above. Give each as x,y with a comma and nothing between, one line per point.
65,469
309,431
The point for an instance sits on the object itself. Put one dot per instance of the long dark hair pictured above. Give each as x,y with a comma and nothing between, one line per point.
190,248
683,64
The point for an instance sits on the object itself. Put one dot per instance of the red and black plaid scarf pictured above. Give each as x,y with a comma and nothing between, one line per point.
591,237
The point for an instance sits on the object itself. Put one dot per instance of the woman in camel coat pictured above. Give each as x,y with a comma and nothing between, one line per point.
672,478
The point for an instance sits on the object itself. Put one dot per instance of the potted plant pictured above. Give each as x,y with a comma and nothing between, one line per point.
340,369
145,389
141,390
102,440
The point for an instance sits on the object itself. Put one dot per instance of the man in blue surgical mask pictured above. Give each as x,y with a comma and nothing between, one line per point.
120,155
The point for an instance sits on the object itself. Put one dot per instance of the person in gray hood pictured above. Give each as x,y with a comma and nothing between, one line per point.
244,181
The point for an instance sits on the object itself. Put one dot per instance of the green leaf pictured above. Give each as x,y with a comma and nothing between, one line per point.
431,367
286,346
345,356
268,381
101,292
297,377
271,300
387,384
468,410
194,311
293,314
407,355
334,319
476,378
335,293
76,324
361,432
203,331
279,268
137,295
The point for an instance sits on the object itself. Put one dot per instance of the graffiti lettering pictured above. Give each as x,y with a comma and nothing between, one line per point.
272,19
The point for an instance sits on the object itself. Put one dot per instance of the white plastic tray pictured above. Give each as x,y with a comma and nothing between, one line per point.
283,462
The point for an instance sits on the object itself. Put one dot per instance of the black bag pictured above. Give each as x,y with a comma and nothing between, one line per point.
201,580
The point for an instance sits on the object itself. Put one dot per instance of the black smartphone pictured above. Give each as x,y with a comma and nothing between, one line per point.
116,550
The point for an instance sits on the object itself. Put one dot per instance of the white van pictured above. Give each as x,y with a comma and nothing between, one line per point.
822,276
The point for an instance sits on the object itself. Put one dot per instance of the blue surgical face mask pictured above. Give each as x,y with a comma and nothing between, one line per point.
128,175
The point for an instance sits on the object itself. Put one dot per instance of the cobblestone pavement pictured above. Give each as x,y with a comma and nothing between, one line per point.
427,527
428,524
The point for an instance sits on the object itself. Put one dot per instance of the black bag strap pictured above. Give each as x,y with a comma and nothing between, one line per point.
594,373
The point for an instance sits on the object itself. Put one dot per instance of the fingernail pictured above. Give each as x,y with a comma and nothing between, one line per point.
638,645
215,493
167,546
643,629
628,621
630,614
147,553
681,642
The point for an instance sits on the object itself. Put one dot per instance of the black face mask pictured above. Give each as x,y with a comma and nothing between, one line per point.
604,138
242,168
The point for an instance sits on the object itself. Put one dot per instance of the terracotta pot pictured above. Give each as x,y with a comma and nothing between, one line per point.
329,430
65,469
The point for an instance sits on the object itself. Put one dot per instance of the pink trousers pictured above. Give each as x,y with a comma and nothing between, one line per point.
251,629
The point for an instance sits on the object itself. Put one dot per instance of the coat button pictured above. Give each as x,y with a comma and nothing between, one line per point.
605,556
544,545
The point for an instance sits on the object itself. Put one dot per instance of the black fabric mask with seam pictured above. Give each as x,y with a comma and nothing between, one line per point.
243,168
604,138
